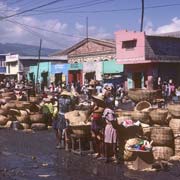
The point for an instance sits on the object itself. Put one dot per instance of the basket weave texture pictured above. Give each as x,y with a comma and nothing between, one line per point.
158,116
162,136
142,94
174,109
162,152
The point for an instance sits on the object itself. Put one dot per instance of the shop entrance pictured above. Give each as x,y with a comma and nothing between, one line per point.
137,79
89,76
58,78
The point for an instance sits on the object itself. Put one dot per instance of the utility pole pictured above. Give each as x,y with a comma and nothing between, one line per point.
142,16
39,56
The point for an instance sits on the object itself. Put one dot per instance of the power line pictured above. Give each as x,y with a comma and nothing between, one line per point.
71,8
31,9
110,11
43,29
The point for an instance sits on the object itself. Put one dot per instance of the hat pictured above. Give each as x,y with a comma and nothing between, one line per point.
66,93
46,99
108,88
99,110
99,97
90,88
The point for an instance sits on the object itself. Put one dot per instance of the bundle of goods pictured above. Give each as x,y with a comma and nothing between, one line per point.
78,121
162,138
141,112
142,145
137,95
159,116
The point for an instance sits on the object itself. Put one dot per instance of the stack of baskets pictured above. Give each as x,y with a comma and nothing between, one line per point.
27,114
138,95
174,124
162,138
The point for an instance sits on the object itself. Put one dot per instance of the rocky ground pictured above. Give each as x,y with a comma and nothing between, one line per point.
32,156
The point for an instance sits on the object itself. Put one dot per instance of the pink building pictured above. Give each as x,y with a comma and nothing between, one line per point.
146,58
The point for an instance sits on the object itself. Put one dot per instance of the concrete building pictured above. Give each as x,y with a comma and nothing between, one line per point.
146,58
23,66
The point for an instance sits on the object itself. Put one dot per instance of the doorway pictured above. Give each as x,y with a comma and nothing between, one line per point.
137,79
58,78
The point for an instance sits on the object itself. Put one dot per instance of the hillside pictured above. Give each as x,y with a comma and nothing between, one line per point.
24,50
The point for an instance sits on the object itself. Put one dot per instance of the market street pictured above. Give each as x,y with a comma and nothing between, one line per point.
32,156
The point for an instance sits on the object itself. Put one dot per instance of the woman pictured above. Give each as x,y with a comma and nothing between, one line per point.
97,127
110,134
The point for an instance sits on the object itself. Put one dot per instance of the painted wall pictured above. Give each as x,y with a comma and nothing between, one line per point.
43,66
112,67
59,68
134,55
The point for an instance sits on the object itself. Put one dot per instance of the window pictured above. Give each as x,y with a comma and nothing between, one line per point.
129,44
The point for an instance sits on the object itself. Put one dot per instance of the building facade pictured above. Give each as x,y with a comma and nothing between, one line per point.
146,58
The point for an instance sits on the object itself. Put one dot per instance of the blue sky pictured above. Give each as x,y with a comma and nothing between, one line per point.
69,19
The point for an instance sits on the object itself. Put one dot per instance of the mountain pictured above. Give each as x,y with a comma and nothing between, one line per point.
24,50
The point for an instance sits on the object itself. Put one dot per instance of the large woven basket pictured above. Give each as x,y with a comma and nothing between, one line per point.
158,116
34,99
143,106
81,130
36,118
162,152
22,105
141,116
3,120
174,109
174,124
7,94
137,95
177,146
162,136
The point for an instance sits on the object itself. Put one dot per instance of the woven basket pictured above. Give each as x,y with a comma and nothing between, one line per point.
3,120
25,125
34,108
81,130
38,126
23,118
3,111
174,124
146,130
158,116
34,99
174,109
10,105
142,94
177,146
36,118
14,112
120,113
142,106
7,94
22,105
162,136
141,116
162,152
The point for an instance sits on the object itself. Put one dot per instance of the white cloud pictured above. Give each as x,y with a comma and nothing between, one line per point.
173,26
15,33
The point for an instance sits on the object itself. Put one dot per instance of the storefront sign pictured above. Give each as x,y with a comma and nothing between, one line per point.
75,66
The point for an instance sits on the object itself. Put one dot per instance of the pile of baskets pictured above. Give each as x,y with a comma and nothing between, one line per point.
21,114
138,95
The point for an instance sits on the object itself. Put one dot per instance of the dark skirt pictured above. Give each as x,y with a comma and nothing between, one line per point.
60,122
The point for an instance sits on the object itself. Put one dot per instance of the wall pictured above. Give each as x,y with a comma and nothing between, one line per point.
134,55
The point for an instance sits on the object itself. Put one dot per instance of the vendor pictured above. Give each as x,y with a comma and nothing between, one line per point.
97,128
60,124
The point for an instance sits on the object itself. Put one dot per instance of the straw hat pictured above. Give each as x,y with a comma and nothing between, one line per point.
99,97
46,99
66,93
90,88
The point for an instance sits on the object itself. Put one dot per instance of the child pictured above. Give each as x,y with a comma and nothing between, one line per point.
110,135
